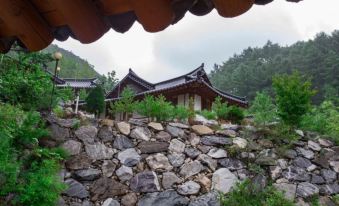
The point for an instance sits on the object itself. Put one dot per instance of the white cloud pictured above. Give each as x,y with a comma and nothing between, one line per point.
210,39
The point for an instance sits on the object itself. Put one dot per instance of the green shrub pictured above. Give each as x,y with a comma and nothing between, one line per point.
323,119
59,112
182,113
243,194
293,97
125,104
211,115
95,101
263,109
235,114
26,170
220,108
156,108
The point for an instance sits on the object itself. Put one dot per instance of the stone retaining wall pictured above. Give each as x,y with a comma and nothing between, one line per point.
119,163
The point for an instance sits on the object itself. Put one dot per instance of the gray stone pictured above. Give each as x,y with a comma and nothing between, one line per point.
302,162
77,162
189,188
313,146
325,142
192,152
146,181
163,136
75,189
209,199
156,126
275,172
306,189
230,126
329,175
99,151
227,133
176,146
216,141
104,188
87,174
266,157
217,153
204,148
129,157
287,189
59,134
123,127
179,125
258,183
290,153
305,153
176,159
329,189
129,199
159,162
86,133
166,198
72,147
266,143
169,179
208,161
194,139
111,202
175,131
122,142
191,168
153,147
240,142
335,165
317,179
296,174
105,134
223,180
124,173
141,133
232,163
282,163
108,168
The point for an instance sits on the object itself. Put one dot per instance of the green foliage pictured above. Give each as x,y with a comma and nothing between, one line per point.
182,113
65,94
95,101
59,112
244,194
220,108
125,104
83,94
156,108
323,119
255,168
252,70
235,114
335,199
263,109
26,170
109,81
293,97
211,115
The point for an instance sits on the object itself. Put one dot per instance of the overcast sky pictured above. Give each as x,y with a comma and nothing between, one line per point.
209,39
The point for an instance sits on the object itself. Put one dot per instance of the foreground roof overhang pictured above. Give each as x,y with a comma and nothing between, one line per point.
34,24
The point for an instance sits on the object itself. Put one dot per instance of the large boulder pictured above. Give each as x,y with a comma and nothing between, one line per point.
296,174
169,179
129,157
176,146
208,161
77,162
159,162
217,153
306,189
105,133
86,133
288,189
108,168
153,147
98,151
156,126
223,180
124,173
72,147
75,189
163,136
141,133
216,141
87,174
104,188
175,131
165,198
122,142
59,134
123,127
189,188
191,168
232,163
202,130
146,181
176,159
209,199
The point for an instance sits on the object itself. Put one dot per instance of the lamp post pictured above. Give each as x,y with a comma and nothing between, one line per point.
57,56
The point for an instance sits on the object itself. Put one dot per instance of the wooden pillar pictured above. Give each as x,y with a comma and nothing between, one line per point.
77,101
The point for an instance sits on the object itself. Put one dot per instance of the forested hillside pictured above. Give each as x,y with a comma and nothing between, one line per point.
71,65
252,70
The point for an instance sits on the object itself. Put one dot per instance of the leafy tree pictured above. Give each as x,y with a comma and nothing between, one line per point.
95,101
108,81
125,104
220,108
157,108
293,97
263,109
235,114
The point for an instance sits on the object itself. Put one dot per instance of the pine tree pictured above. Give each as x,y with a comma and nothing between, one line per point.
95,101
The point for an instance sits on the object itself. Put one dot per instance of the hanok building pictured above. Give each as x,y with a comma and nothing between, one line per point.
179,90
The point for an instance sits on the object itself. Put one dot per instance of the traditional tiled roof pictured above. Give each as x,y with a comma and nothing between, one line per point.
34,24
198,75
78,83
